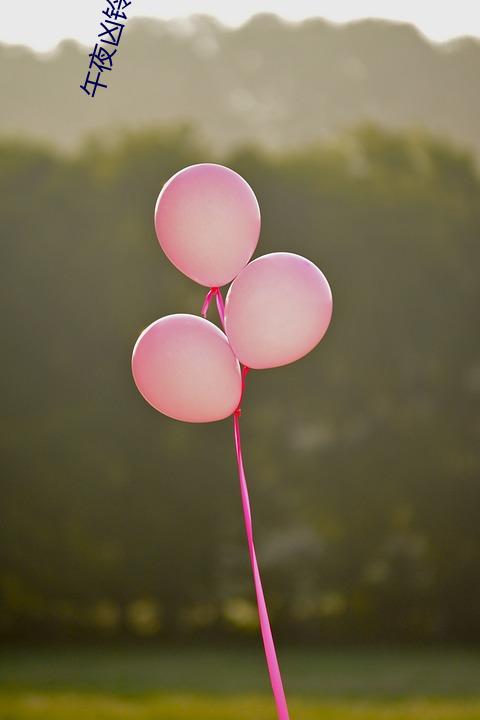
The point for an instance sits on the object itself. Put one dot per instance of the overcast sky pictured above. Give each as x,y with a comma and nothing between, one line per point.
43,23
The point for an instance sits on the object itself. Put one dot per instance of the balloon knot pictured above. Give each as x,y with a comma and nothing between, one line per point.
238,412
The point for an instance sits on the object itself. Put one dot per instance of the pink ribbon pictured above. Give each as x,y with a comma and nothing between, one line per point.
272,662
268,644
220,306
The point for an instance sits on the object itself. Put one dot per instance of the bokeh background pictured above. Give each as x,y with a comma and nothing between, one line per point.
361,142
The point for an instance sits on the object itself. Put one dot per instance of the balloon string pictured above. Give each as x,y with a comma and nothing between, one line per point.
271,656
270,653
206,304
220,306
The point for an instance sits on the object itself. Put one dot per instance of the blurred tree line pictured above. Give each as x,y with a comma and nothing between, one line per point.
363,458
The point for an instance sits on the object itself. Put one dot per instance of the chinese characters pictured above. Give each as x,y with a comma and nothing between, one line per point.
101,58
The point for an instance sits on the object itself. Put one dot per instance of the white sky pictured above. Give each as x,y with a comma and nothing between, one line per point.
43,23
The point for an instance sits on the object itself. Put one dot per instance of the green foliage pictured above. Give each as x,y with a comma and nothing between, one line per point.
210,684
240,669
48,706
274,83
362,458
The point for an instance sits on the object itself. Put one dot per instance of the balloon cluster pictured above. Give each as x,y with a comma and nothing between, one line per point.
277,308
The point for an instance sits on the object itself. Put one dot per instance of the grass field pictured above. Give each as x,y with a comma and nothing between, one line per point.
232,684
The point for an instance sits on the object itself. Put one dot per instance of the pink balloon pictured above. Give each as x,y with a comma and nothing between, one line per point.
277,309
183,366
207,221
